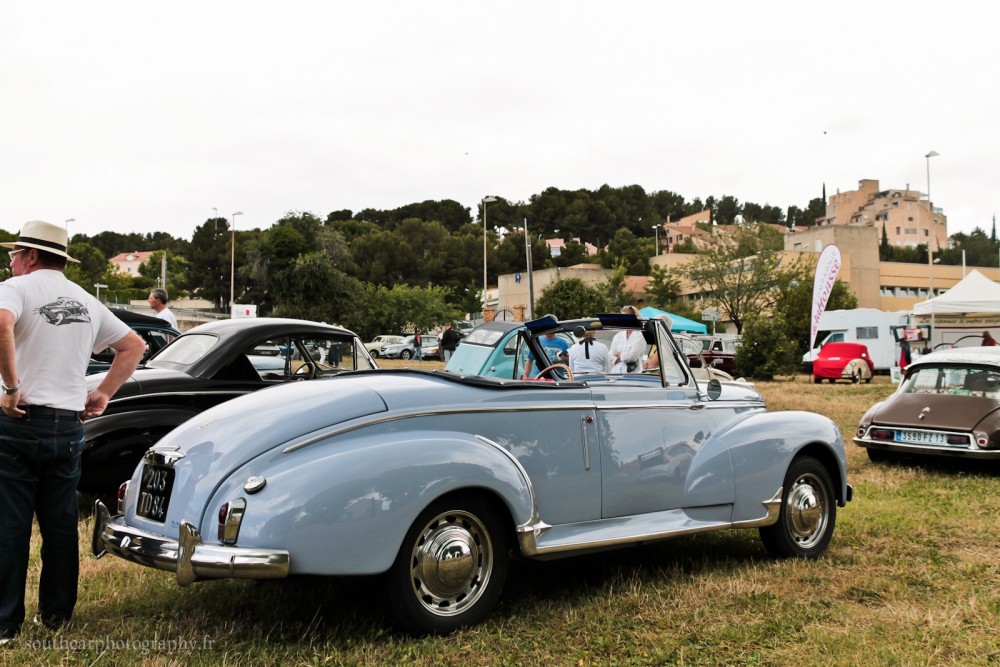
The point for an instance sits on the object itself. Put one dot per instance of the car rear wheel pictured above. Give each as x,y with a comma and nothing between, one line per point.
374,354
808,513
450,569
817,380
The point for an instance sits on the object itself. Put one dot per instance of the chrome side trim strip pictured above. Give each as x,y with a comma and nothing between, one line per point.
609,533
137,397
370,420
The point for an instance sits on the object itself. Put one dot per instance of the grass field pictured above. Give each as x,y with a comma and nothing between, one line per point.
911,578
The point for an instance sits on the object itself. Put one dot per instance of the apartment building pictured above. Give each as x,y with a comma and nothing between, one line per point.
907,216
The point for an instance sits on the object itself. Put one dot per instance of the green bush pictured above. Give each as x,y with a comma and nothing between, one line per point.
766,349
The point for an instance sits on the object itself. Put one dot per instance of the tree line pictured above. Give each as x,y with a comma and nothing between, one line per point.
419,261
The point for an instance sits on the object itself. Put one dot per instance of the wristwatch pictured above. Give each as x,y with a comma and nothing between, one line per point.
11,390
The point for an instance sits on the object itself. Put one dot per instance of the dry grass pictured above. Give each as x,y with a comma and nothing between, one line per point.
911,578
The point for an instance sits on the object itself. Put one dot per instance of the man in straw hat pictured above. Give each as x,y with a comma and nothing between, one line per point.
49,327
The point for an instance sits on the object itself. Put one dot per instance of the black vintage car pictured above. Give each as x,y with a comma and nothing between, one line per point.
156,333
208,365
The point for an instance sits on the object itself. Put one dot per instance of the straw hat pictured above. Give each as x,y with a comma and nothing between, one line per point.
43,236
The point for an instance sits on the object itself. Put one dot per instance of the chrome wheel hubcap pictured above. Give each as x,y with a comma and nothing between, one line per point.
806,509
451,563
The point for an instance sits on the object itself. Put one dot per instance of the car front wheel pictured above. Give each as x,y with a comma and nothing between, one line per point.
450,569
405,354
808,512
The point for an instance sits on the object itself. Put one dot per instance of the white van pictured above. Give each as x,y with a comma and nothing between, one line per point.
869,326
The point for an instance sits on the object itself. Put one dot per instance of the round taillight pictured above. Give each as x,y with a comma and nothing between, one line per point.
121,491
223,512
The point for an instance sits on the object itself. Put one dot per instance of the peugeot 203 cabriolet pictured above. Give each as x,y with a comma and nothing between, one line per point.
433,480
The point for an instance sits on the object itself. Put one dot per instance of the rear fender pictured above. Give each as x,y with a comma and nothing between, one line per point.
344,505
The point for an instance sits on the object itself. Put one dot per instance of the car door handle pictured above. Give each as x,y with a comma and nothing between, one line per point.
697,406
588,419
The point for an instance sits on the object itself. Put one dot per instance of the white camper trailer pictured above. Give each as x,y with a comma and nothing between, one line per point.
869,326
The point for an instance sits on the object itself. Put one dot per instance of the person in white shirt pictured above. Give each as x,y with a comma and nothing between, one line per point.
49,327
158,302
627,347
588,355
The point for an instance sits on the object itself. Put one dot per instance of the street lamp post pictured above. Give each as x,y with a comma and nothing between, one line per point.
232,263
531,285
930,236
656,233
486,200
67,224
98,286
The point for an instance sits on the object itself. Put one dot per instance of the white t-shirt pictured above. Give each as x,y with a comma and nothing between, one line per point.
588,357
58,327
168,316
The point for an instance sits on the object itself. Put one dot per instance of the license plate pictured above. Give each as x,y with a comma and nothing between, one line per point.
154,492
921,437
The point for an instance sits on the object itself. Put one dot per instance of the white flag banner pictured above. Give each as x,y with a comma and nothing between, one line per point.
827,269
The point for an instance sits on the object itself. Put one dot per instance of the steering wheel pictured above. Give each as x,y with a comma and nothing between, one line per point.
564,367
307,371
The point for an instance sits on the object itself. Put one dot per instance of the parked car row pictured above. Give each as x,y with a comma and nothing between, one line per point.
432,480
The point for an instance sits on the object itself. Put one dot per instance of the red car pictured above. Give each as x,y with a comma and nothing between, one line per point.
843,361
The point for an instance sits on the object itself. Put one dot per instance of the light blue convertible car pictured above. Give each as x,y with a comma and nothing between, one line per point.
433,480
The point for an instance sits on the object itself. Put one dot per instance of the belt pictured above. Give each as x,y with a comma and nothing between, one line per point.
42,412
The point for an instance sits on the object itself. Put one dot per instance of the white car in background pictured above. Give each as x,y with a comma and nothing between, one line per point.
378,342
404,348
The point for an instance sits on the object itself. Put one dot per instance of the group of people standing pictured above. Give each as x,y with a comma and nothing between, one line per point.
589,355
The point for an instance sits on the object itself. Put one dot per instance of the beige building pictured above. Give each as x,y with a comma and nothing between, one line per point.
906,215
129,262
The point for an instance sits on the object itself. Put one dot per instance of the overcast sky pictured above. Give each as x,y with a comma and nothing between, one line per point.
141,116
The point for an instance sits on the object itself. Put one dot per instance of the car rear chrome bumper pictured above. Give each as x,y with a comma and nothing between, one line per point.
928,450
188,556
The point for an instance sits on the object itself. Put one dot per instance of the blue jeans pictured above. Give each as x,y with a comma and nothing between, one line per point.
39,472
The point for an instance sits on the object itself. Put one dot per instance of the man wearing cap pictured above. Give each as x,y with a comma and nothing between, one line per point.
49,327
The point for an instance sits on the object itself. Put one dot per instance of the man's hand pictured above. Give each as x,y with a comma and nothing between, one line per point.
97,401
9,405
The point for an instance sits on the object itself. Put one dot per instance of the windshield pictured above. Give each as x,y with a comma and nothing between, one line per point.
954,381
471,359
484,337
185,350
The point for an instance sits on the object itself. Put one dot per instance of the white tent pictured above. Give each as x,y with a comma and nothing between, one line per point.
975,293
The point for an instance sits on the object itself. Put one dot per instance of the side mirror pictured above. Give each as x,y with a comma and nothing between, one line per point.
694,363
714,389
